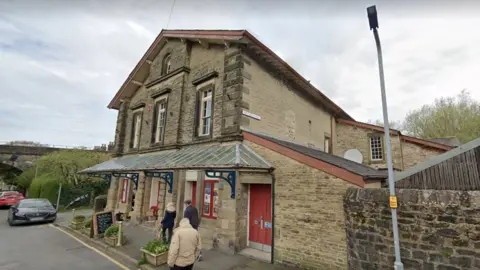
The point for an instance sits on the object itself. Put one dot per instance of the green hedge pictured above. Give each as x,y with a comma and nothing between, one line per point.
44,187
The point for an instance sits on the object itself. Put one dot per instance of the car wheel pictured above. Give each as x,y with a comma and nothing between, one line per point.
10,222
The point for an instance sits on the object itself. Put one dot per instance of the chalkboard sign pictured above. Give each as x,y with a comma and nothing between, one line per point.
102,221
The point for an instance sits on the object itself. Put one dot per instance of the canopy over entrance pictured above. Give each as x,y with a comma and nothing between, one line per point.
216,160
192,157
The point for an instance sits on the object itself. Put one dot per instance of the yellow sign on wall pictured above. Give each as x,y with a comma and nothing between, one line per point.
393,202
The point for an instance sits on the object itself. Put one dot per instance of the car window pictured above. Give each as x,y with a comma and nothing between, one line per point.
34,204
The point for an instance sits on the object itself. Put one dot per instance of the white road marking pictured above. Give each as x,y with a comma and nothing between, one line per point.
92,248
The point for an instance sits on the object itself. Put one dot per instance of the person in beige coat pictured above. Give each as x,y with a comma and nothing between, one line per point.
185,247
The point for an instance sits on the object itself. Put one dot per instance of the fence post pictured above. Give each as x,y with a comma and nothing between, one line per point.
58,197
120,233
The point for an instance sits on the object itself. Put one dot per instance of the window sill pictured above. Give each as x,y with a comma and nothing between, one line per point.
202,138
209,217
377,161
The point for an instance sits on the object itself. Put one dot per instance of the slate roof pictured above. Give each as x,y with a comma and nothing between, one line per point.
363,170
191,157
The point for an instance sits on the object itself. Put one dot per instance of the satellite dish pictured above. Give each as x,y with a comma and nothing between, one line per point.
353,155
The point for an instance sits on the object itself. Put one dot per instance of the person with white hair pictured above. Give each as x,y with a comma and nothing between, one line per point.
168,222
185,247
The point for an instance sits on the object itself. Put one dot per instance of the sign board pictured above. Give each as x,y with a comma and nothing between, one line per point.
101,222
268,225
251,115
393,202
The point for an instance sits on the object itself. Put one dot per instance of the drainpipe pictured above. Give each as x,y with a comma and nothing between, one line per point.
272,259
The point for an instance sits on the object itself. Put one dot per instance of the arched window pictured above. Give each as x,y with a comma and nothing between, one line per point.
166,64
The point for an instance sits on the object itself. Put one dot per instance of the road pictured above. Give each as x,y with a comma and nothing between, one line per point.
44,247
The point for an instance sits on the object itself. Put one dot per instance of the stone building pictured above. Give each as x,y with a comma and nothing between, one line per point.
369,141
217,117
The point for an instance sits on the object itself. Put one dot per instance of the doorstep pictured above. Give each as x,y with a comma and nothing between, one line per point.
257,254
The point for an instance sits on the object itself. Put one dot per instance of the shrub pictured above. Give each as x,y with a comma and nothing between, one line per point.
112,231
79,218
156,246
88,223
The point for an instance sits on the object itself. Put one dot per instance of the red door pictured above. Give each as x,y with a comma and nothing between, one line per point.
260,234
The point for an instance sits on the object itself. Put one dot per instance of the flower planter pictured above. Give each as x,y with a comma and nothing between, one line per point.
77,225
113,241
153,259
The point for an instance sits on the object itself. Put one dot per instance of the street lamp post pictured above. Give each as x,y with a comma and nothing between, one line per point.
373,21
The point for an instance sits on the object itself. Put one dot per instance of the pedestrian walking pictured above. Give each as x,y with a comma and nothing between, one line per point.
168,222
191,213
185,247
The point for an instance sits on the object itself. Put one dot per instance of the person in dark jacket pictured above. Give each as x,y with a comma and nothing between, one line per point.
168,222
192,214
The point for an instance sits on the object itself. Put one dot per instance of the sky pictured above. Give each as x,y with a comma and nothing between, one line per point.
61,62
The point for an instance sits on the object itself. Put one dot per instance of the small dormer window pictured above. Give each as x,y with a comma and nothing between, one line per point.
166,64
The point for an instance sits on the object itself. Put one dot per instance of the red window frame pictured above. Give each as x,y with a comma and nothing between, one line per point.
194,194
212,183
124,190
158,194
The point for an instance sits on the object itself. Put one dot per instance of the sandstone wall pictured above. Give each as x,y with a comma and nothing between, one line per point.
285,112
309,219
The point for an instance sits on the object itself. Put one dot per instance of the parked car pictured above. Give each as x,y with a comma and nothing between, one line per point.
31,211
4,193
9,199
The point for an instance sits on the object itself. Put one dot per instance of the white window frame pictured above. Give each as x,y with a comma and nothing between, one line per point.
380,141
326,145
137,122
206,112
161,124
166,64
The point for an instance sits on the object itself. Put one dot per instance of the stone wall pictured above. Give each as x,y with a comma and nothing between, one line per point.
203,61
215,64
285,111
439,230
309,219
405,154
414,154
348,137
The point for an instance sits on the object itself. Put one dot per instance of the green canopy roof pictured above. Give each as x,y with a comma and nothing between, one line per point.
191,157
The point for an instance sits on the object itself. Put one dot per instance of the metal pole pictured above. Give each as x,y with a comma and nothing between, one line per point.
386,127
58,197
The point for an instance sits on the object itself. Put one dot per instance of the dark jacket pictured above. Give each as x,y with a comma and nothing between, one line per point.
168,220
192,214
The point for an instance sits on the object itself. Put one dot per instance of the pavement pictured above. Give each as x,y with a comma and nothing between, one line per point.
44,247
58,247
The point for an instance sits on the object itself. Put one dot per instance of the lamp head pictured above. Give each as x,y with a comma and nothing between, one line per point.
372,17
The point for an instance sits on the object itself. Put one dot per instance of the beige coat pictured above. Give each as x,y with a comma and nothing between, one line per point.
185,246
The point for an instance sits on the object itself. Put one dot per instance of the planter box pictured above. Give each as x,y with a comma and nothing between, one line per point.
112,241
153,259
77,225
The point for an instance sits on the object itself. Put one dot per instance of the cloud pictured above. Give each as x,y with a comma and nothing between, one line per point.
62,61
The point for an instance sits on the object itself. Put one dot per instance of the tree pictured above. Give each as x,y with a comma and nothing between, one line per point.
448,116
60,166
64,165
393,124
